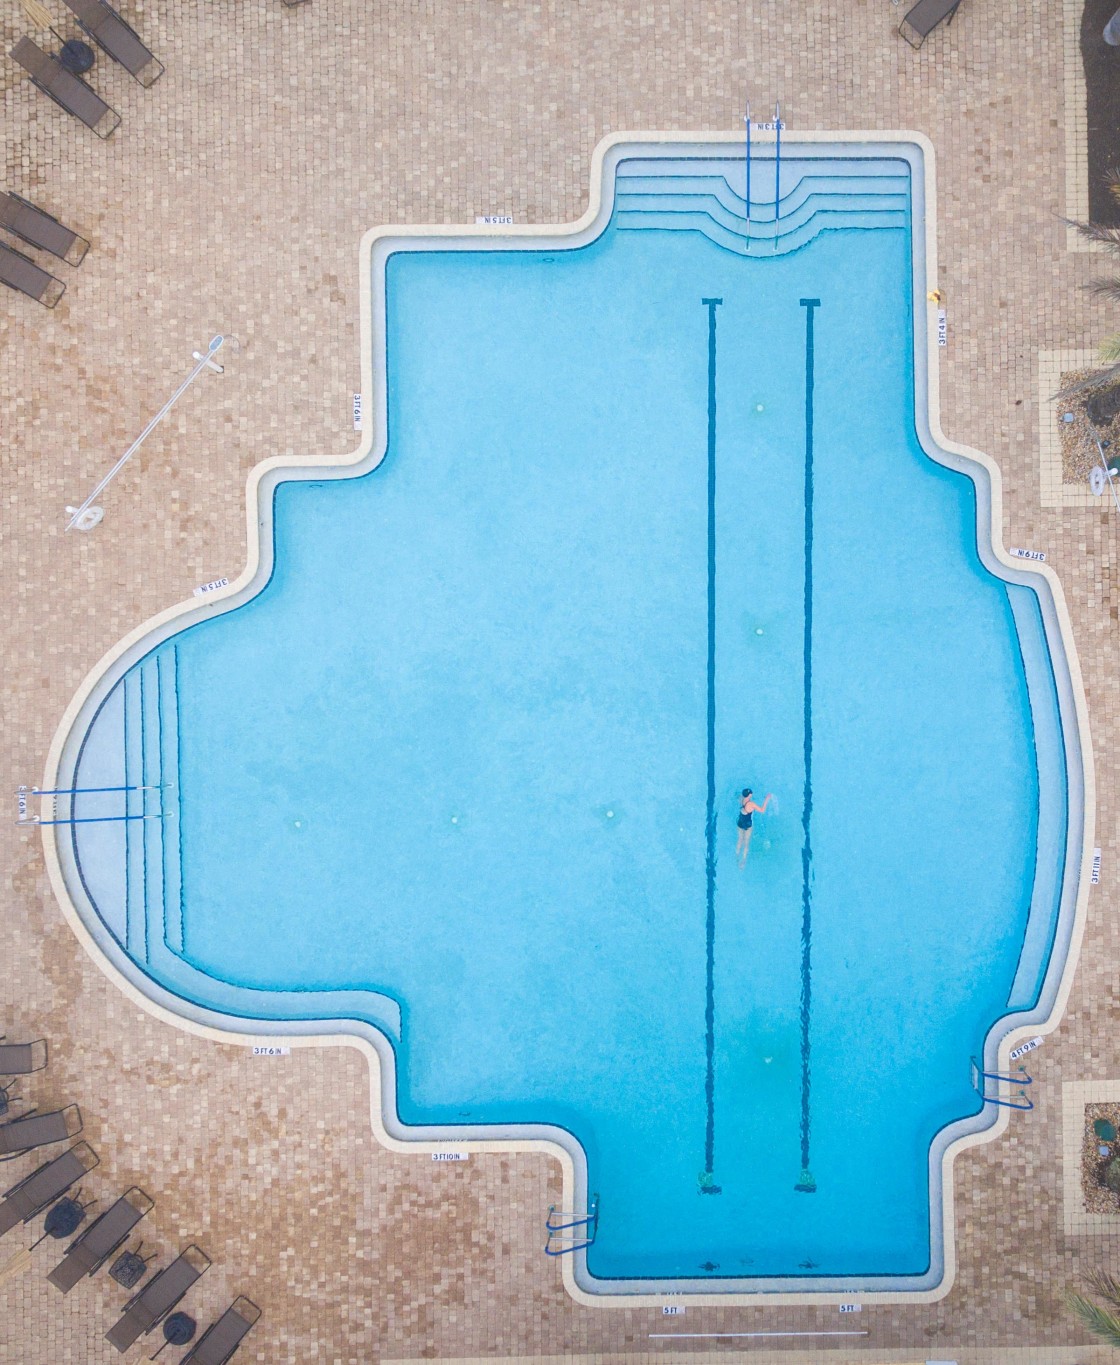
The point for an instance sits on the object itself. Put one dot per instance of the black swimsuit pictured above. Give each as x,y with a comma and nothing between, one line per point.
745,819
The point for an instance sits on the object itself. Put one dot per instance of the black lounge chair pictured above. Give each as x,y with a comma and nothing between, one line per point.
217,1344
22,275
43,1186
21,1059
19,272
158,1297
110,32
38,228
920,21
67,91
87,1253
36,1130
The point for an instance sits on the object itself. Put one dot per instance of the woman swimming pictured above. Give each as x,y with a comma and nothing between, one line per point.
747,811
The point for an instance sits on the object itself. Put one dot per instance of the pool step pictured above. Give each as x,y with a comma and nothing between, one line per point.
813,203
146,913
151,846
793,201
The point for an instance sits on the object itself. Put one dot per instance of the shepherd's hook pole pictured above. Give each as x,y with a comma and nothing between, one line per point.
87,516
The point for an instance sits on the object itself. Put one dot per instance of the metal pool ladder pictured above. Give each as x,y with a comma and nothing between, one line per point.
981,1078
569,1231
24,796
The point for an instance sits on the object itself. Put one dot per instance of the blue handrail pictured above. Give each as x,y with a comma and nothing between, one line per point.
579,1222
1008,1104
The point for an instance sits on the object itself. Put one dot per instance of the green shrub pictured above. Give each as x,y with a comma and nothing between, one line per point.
1104,1130
1112,1175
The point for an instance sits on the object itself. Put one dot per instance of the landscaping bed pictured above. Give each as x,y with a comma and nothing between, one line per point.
1094,1161
1079,452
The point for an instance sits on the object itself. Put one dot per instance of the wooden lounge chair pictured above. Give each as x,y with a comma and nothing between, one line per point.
110,32
92,1249
38,228
36,1130
21,1059
68,92
159,1296
20,272
217,1344
25,1200
920,21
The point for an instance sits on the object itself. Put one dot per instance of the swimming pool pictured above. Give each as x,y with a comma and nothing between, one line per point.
650,511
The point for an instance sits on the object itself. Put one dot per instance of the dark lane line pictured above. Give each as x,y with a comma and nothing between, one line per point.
710,816
807,1185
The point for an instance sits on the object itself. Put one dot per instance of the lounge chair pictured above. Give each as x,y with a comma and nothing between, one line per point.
217,1344
68,92
92,1249
20,272
36,1130
38,228
920,21
21,1059
41,1187
159,1296
110,32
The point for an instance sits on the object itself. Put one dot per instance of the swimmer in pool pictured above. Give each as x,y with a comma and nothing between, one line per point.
747,811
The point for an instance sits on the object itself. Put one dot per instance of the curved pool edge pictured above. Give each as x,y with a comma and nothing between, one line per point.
375,248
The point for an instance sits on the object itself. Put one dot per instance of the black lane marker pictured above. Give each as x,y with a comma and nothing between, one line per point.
807,1185
706,1186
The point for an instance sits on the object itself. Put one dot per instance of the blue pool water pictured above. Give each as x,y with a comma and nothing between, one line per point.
476,747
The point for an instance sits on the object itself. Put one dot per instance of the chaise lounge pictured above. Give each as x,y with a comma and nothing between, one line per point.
20,272
87,1253
36,1130
217,1344
110,32
148,1308
42,1186
21,1059
37,228
67,91
920,21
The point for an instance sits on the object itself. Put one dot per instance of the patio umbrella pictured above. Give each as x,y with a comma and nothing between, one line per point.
39,15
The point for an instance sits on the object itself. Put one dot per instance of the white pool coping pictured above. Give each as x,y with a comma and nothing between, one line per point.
376,247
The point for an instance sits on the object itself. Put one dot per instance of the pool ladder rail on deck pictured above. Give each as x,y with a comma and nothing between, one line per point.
980,1079
571,1231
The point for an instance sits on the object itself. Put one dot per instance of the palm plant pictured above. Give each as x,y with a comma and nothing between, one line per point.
1102,1319
1108,237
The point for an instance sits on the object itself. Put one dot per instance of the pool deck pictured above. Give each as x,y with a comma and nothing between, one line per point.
233,198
